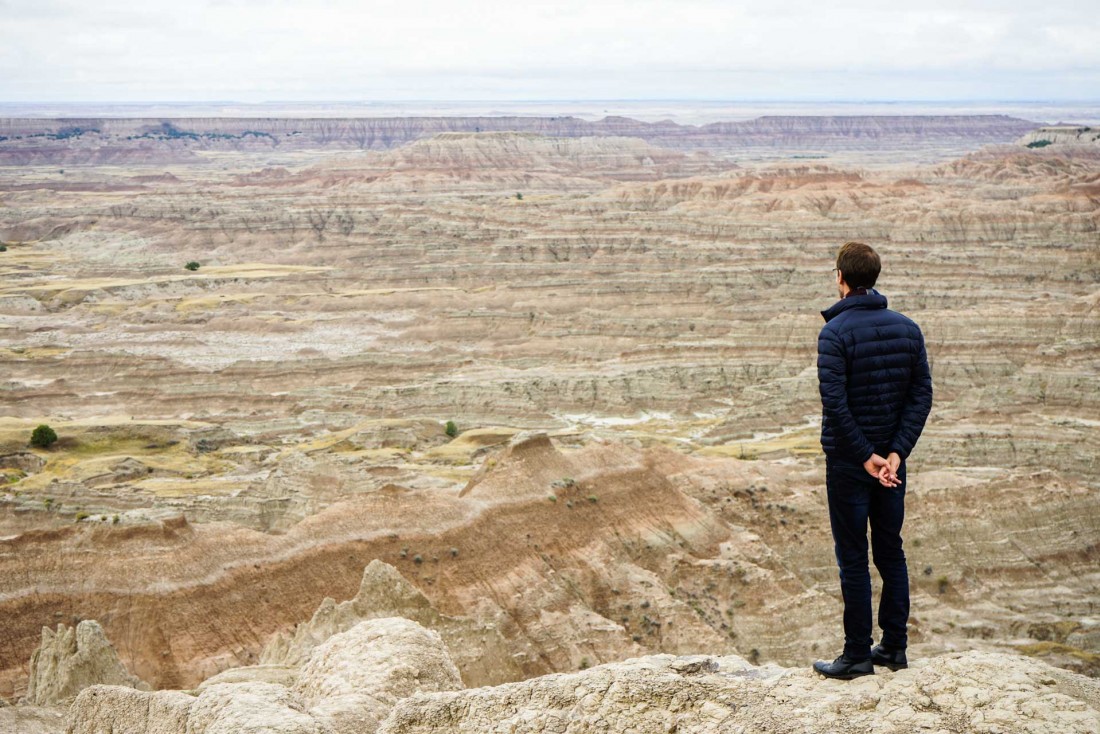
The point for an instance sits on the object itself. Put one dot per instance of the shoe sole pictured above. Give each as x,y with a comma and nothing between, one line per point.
847,676
893,667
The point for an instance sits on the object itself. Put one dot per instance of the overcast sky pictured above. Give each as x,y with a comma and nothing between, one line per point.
271,50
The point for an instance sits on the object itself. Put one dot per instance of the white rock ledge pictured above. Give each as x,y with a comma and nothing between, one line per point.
967,692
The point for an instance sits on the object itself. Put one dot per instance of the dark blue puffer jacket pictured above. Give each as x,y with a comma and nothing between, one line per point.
876,388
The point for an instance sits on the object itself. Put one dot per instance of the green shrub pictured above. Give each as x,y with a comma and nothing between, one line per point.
519,196
451,429
1040,143
81,516
43,437
3,248
192,266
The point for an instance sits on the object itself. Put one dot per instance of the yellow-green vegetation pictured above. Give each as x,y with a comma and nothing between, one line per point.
1090,661
456,474
19,258
29,353
90,450
800,442
461,449
71,290
338,440
11,476
356,293
214,301
1052,631
190,486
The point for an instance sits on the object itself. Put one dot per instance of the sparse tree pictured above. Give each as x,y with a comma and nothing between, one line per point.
43,437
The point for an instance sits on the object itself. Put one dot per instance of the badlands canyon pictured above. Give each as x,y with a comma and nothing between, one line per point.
257,514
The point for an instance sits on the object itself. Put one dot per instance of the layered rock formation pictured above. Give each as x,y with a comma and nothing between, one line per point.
1060,135
237,443
478,645
136,140
552,558
346,686
71,659
393,675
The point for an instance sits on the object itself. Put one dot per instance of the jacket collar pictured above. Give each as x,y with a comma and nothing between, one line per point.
872,300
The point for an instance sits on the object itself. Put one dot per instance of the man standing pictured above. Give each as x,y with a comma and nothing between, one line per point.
876,393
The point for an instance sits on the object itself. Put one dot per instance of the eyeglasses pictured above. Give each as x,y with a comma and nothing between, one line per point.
836,270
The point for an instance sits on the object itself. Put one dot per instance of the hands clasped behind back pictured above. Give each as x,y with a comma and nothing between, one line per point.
884,470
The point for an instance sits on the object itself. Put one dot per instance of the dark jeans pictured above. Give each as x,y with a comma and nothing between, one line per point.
855,497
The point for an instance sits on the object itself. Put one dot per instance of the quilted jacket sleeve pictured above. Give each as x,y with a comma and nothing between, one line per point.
833,381
918,404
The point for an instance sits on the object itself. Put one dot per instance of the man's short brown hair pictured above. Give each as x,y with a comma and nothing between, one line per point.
858,265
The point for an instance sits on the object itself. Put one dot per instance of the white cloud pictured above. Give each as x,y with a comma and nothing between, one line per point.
254,50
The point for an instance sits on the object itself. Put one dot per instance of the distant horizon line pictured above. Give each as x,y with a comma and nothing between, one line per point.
556,100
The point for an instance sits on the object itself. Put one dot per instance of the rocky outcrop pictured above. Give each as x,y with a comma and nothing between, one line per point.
115,710
968,692
71,659
1060,135
383,592
476,643
354,678
347,686
31,720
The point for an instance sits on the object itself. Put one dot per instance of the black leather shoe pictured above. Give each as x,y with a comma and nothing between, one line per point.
892,659
844,668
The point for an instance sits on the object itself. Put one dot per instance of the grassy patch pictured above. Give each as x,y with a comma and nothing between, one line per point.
1089,661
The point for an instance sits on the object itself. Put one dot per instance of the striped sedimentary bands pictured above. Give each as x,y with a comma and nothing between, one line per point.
288,397
133,140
